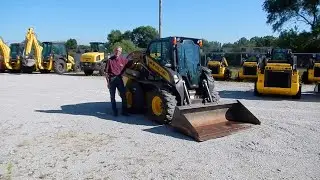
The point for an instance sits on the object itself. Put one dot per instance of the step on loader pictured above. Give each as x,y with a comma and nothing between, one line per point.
170,83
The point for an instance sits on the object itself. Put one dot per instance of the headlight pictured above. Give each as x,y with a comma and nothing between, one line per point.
175,78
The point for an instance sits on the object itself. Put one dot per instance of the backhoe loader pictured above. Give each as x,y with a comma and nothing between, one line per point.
56,58
312,74
11,57
31,60
218,65
249,67
94,60
169,82
16,51
278,74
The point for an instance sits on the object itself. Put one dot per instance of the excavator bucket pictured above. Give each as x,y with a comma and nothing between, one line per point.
204,122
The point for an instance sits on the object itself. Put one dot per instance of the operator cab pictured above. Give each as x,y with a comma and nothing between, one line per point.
16,51
97,47
51,48
280,56
179,54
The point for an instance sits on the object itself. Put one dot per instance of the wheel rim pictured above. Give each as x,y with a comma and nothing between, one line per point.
129,99
157,105
60,67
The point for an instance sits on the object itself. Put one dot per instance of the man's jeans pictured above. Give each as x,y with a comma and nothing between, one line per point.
117,83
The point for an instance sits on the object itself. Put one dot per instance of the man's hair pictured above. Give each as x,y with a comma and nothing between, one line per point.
117,48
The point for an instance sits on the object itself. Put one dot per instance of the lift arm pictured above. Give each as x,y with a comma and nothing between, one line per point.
31,41
6,53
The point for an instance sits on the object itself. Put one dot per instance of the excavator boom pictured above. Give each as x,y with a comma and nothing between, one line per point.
6,53
31,41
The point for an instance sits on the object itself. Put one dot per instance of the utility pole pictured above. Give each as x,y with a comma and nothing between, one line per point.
160,17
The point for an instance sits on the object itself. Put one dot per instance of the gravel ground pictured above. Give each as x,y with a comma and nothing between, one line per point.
59,127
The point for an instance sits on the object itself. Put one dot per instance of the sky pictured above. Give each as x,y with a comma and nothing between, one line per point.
86,21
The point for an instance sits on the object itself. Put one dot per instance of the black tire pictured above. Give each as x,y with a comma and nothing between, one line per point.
28,70
15,71
60,66
76,67
167,106
304,77
211,84
88,72
255,91
135,97
298,95
227,75
44,71
102,68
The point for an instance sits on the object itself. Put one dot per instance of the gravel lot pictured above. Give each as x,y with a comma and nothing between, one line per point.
59,127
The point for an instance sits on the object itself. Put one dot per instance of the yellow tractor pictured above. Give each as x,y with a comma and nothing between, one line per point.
56,58
170,84
312,74
218,65
278,74
94,60
249,67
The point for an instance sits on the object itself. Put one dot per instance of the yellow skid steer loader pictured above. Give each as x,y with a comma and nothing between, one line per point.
169,82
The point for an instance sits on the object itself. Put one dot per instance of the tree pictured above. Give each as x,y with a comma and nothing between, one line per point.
127,46
211,46
141,36
127,35
71,44
114,36
281,11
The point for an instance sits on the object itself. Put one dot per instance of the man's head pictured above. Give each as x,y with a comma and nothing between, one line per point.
117,51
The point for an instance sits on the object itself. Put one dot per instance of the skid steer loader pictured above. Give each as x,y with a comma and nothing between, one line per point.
168,82
312,74
278,74
56,58
219,66
249,67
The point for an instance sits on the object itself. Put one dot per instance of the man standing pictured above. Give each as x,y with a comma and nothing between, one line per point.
115,67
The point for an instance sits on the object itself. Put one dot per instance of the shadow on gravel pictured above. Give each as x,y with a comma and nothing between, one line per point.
80,74
167,130
103,110
248,95
100,110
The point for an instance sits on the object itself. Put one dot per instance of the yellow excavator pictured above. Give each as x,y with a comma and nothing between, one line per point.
56,58
170,83
278,74
249,67
312,75
218,65
32,53
94,60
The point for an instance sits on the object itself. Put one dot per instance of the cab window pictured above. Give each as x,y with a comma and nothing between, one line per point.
160,52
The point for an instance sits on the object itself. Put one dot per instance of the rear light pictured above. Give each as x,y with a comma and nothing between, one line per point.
200,43
174,41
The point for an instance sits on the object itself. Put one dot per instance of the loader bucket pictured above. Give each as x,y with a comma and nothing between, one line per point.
204,122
